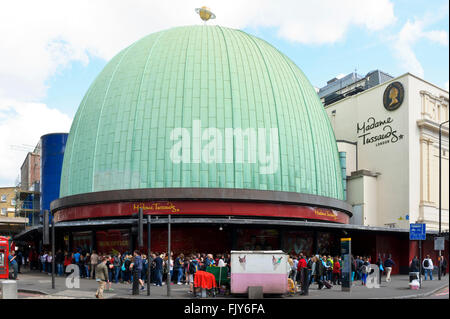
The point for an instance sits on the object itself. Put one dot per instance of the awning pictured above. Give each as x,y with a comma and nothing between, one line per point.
126,223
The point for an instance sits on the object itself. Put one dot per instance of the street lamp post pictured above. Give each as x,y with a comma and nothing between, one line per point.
168,259
149,268
440,192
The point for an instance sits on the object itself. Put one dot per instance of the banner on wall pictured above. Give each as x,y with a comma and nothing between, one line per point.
112,241
296,242
82,241
257,239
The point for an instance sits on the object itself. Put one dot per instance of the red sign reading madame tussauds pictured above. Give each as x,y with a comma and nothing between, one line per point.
211,208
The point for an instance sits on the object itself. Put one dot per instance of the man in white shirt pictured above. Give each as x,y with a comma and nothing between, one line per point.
49,263
427,265
44,262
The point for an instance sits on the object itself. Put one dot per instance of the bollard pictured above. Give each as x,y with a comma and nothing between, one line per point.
9,289
255,292
135,282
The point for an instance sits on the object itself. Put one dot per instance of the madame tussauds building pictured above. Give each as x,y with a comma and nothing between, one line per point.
214,127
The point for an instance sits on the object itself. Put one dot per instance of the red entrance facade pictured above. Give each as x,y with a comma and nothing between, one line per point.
210,208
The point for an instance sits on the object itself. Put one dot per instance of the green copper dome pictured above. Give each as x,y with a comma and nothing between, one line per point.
123,133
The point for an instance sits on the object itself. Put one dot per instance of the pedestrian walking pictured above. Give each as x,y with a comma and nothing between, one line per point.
444,266
159,263
178,268
414,266
364,271
59,260
191,270
13,264
136,266
94,262
19,261
67,260
116,264
110,267
49,263
388,264
336,271
101,275
427,265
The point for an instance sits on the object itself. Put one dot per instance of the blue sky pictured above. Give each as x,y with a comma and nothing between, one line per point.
360,49
52,50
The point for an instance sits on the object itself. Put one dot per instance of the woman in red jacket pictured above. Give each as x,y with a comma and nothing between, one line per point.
67,260
336,271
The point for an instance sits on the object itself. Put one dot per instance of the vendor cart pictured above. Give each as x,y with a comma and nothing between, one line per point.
266,269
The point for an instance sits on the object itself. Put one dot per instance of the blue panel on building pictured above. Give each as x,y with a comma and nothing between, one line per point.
52,154
417,232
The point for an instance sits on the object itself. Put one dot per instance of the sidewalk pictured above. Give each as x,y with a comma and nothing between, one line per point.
39,285
398,288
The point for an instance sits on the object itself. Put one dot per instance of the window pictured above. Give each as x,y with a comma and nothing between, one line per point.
3,198
13,202
3,211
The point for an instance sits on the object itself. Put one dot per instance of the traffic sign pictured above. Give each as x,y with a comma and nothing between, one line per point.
439,243
417,232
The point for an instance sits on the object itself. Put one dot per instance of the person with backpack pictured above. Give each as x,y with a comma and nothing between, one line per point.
318,271
379,263
428,267
209,261
126,269
353,265
192,269
388,264
364,271
414,266
359,262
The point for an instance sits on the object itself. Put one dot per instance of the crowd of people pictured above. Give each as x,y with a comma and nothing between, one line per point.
326,271
121,268
116,267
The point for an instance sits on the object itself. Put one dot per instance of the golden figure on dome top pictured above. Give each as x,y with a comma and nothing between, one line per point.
205,13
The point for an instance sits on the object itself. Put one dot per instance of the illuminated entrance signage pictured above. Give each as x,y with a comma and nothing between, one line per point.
328,213
157,206
379,132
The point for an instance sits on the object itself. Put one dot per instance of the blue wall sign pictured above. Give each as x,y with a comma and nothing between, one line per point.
417,232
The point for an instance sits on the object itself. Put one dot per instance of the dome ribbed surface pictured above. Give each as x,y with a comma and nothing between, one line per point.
226,78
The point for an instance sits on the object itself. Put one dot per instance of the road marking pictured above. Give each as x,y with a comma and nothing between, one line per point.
442,293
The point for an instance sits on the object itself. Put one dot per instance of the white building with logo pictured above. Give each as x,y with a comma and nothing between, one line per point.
390,133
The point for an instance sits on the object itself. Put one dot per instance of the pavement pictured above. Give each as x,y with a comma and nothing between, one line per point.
36,285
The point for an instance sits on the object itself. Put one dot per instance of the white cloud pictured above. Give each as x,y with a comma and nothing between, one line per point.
24,123
41,37
410,34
